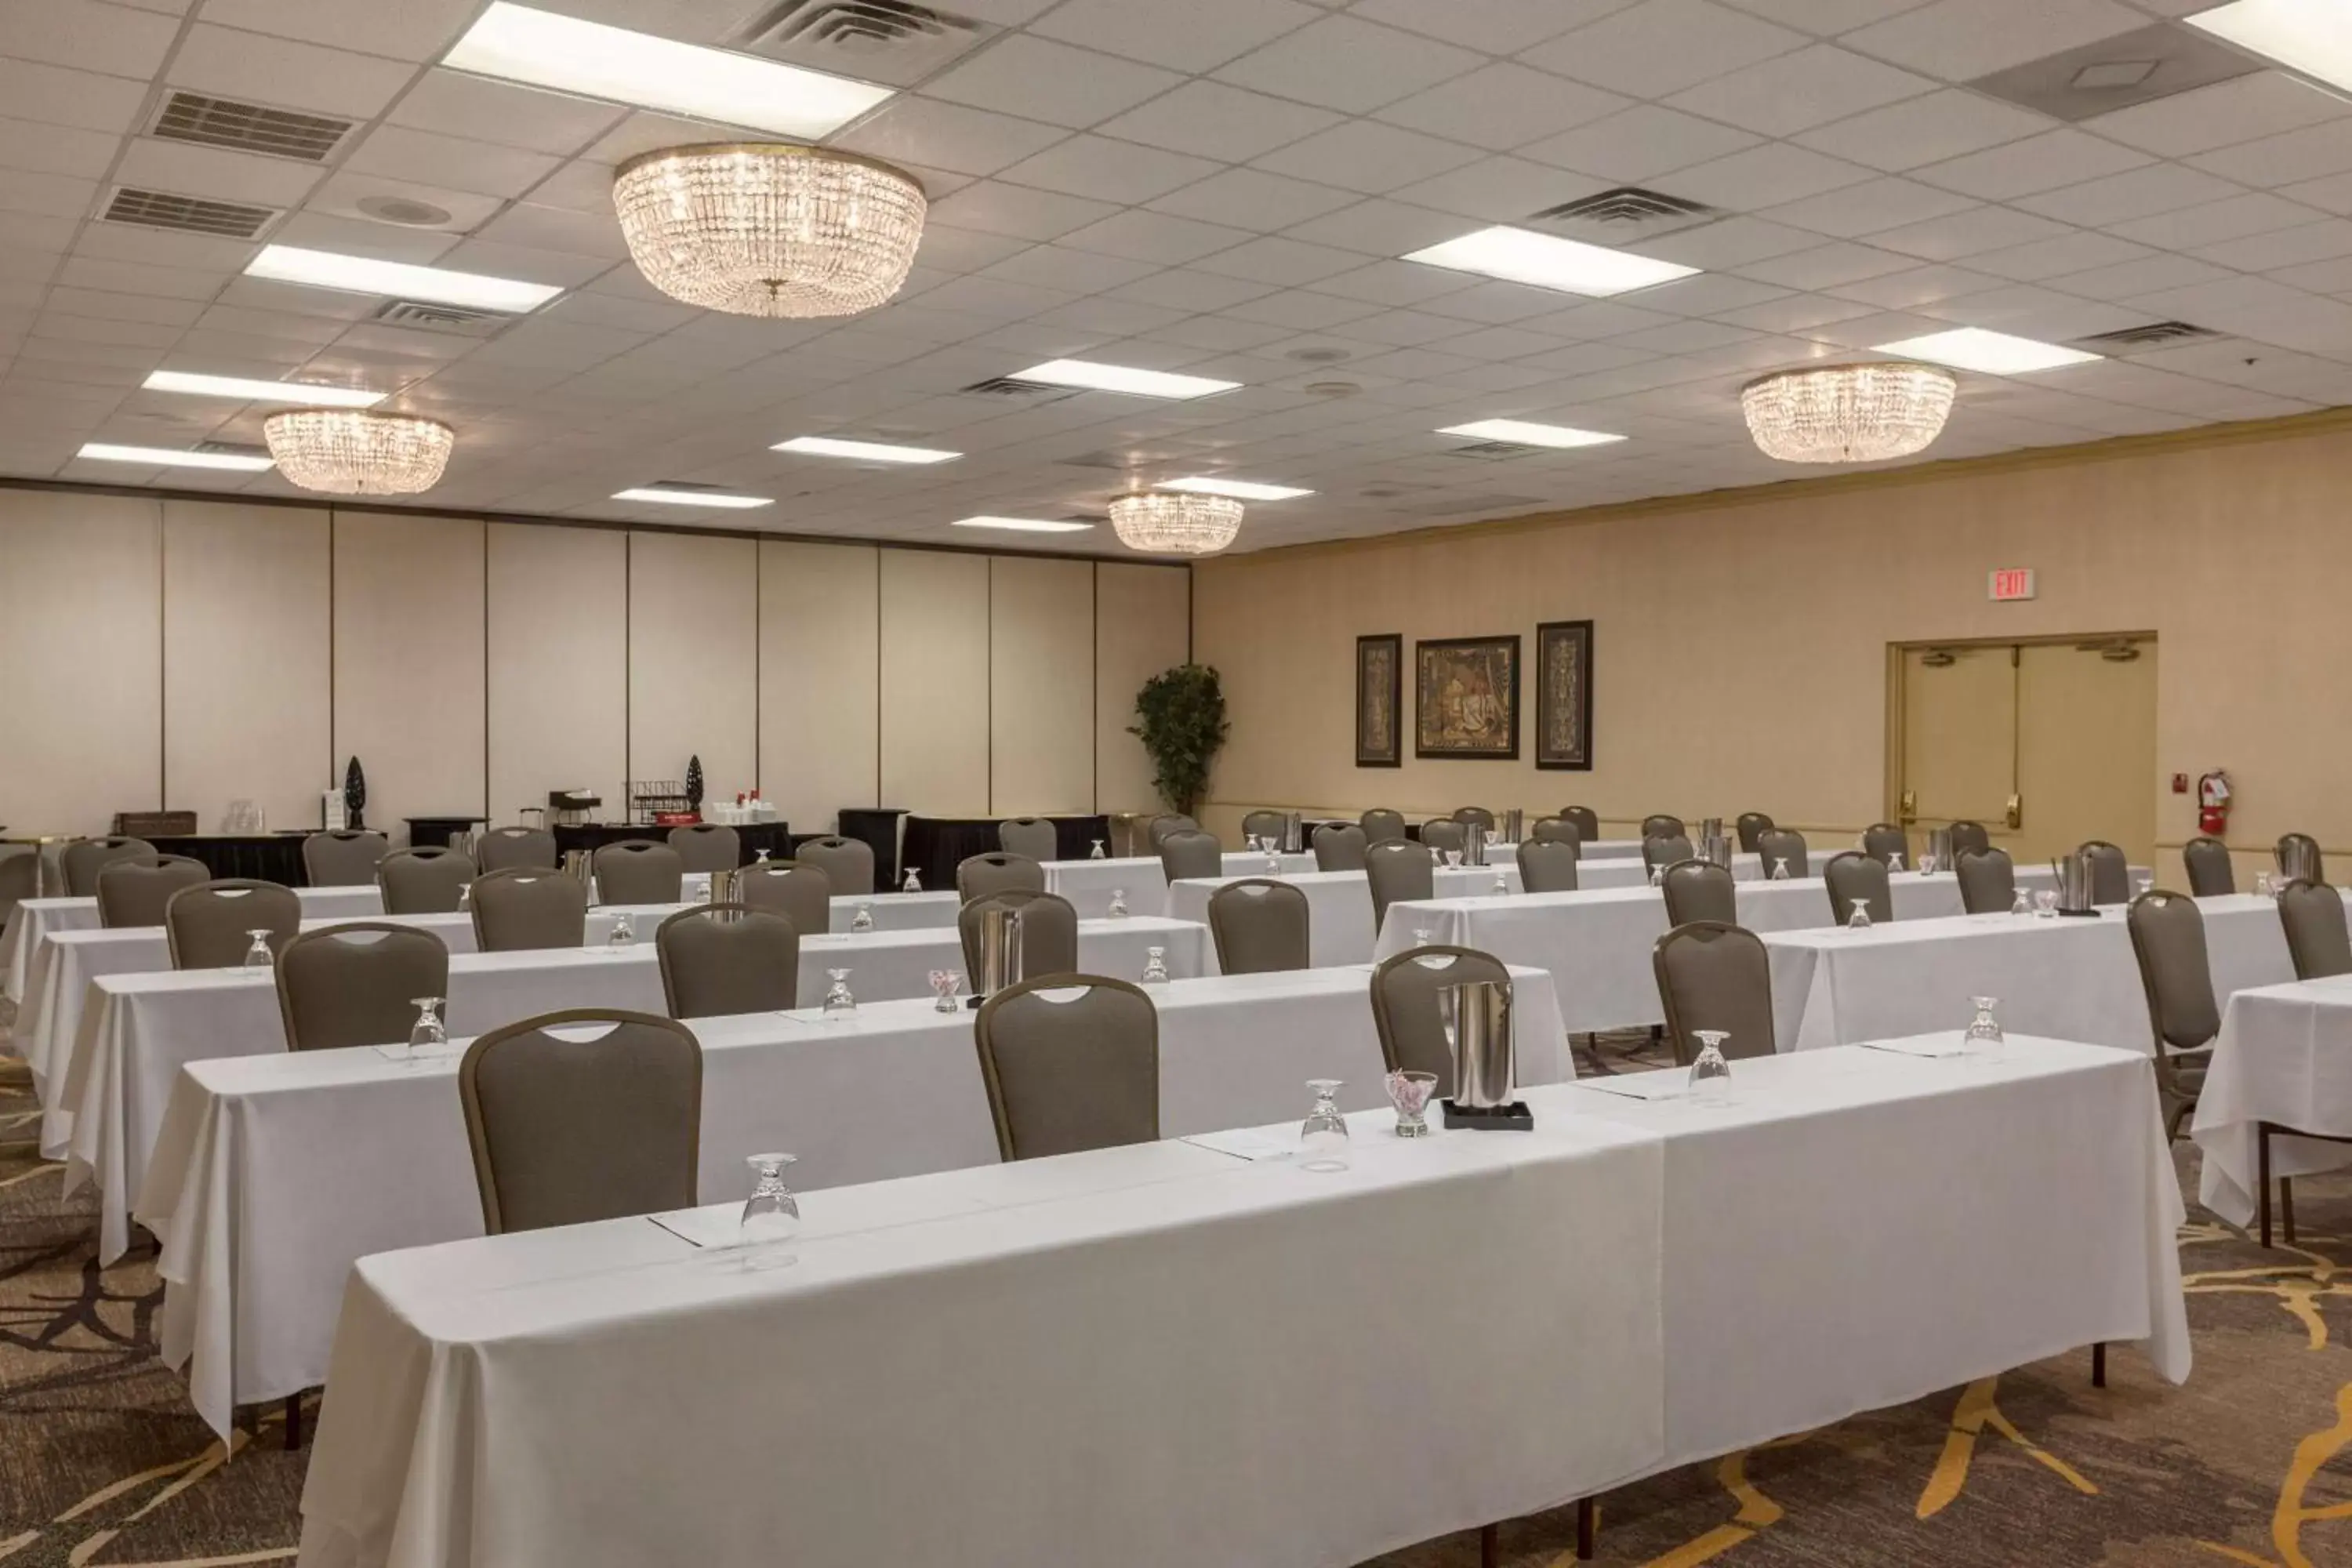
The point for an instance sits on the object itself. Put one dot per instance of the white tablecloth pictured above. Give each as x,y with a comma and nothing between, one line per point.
2070,979
1338,905
2284,1056
33,919
141,1029
1088,884
273,1174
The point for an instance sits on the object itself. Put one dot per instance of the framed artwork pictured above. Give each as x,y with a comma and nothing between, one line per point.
1379,693
1466,698
1564,695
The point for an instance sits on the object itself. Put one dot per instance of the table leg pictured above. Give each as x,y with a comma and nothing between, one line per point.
2287,1207
293,1422
2262,1177
1490,1546
2099,1364
1588,1525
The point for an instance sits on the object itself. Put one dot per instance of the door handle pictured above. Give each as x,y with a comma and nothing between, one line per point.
2016,811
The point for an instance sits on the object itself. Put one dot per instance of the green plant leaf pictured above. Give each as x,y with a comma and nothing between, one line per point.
1182,714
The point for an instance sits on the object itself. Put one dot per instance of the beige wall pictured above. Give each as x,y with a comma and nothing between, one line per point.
820,609
1143,623
409,676
1740,644
1040,635
935,719
558,658
694,659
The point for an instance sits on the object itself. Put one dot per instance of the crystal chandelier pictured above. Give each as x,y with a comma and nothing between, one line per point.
1170,524
757,229
349,452
1848,413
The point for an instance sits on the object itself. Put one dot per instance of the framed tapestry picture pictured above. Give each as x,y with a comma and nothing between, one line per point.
1466,698
1379,693
1564,695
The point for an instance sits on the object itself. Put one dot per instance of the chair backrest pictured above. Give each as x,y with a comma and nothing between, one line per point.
1049,931
1445,835
210,924
1586,820
1169,822
2167,937
1883,841
343,856
428,882
1473,816
81,862
134,891
1260,926
1265,824
1031,836
357,984
639,871
1661,826
569,1130
707,846
2285,850
980,875
1715,975
2110,873
1405,1009
525,906
1548,865
1396,872
1381,825
1699,890
798,891
1557,830
847,864
1751,827
717,959
20,878
1782,844
1660,850
1967,835
2210,874
2313,914
1987,881
1190,853
1071,1062
507,848
1852,875
1340,847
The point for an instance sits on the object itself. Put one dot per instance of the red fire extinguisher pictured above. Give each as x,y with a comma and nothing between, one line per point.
2213,804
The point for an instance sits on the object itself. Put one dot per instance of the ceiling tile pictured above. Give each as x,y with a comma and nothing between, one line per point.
290,75
358,237
1502,106
57,149
2243,109
1639,143
2118,198
54,95
455,104
1795,92
1253,199
1345,64
1825,265
2127,279
1182,288
1497,26
1152,237
995,207
411,30
2039,163
1795,312
1366,156
1394,283
1501,190
1959,40
2284,159
1927,130
1867,207
2278,248
1827,18
1727,242
910,129
434,160
1379,227
1041,79
1919,286
87,36
1107,171
1276,260
1761,176
2078,252
1214,120
339,194
1660,46
1968,232
554,228
193,170
1197,36
2211,223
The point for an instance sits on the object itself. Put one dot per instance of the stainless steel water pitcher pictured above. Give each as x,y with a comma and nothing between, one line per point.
1293,826
1718,850
1474,844
1514,826
1939,844
1481,1013
578,866
2074,874
726,888
1000,950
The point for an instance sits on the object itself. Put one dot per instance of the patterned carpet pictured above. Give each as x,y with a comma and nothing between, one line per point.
102,1463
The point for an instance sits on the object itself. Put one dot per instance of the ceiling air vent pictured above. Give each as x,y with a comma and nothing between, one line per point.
1005,386
894,42
1492,451
1625,204
187,215
249,127
2138,66
2156,334
441,317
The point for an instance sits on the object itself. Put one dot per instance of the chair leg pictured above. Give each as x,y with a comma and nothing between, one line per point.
1588,1525
293,1422
1490,1546
2287,1207
2099,1364
2262,1179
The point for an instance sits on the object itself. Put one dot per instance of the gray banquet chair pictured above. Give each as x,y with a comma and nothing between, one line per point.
2210,874
1473,816
1660,850
1033,836
428,882
1405,1009
1548,866
1854,874
1272,825
1967,834
1049,931
1071,1062
1398,871
1586,820
505,848
977,876
721,959
847,864
1661,826
1340,847
1713,975
1192,854
524,907
1260,927
639,871
2167,938
1169,822
1445,835
1987,881
2110,873
1781,844
801,893
20,878
2313,914
1885,843
1699,890
134,891
1381,825
707,846
210,925
582,1115
1751,827
2284,852
358,984
343,856
1557,830
81,862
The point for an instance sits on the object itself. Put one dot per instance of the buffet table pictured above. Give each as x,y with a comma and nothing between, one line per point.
260,856
774,837
935,846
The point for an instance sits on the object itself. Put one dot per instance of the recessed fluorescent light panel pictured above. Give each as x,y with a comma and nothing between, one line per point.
864,451
1527,433
2313,37
244,391
1022,524
365,275
693,497
172,458
1522,256
1095,377
1240,490
1996,353
540,48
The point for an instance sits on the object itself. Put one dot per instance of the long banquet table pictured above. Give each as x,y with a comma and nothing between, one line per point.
260,1226
1338,904
1179,1354
141,1029
2285,1057
1088,884
34,918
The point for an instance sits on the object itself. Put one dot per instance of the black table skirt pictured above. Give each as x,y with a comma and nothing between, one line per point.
434,832
753,836
876,827
260,856
936,846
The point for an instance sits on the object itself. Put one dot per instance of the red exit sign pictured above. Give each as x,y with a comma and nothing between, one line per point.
2010,583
